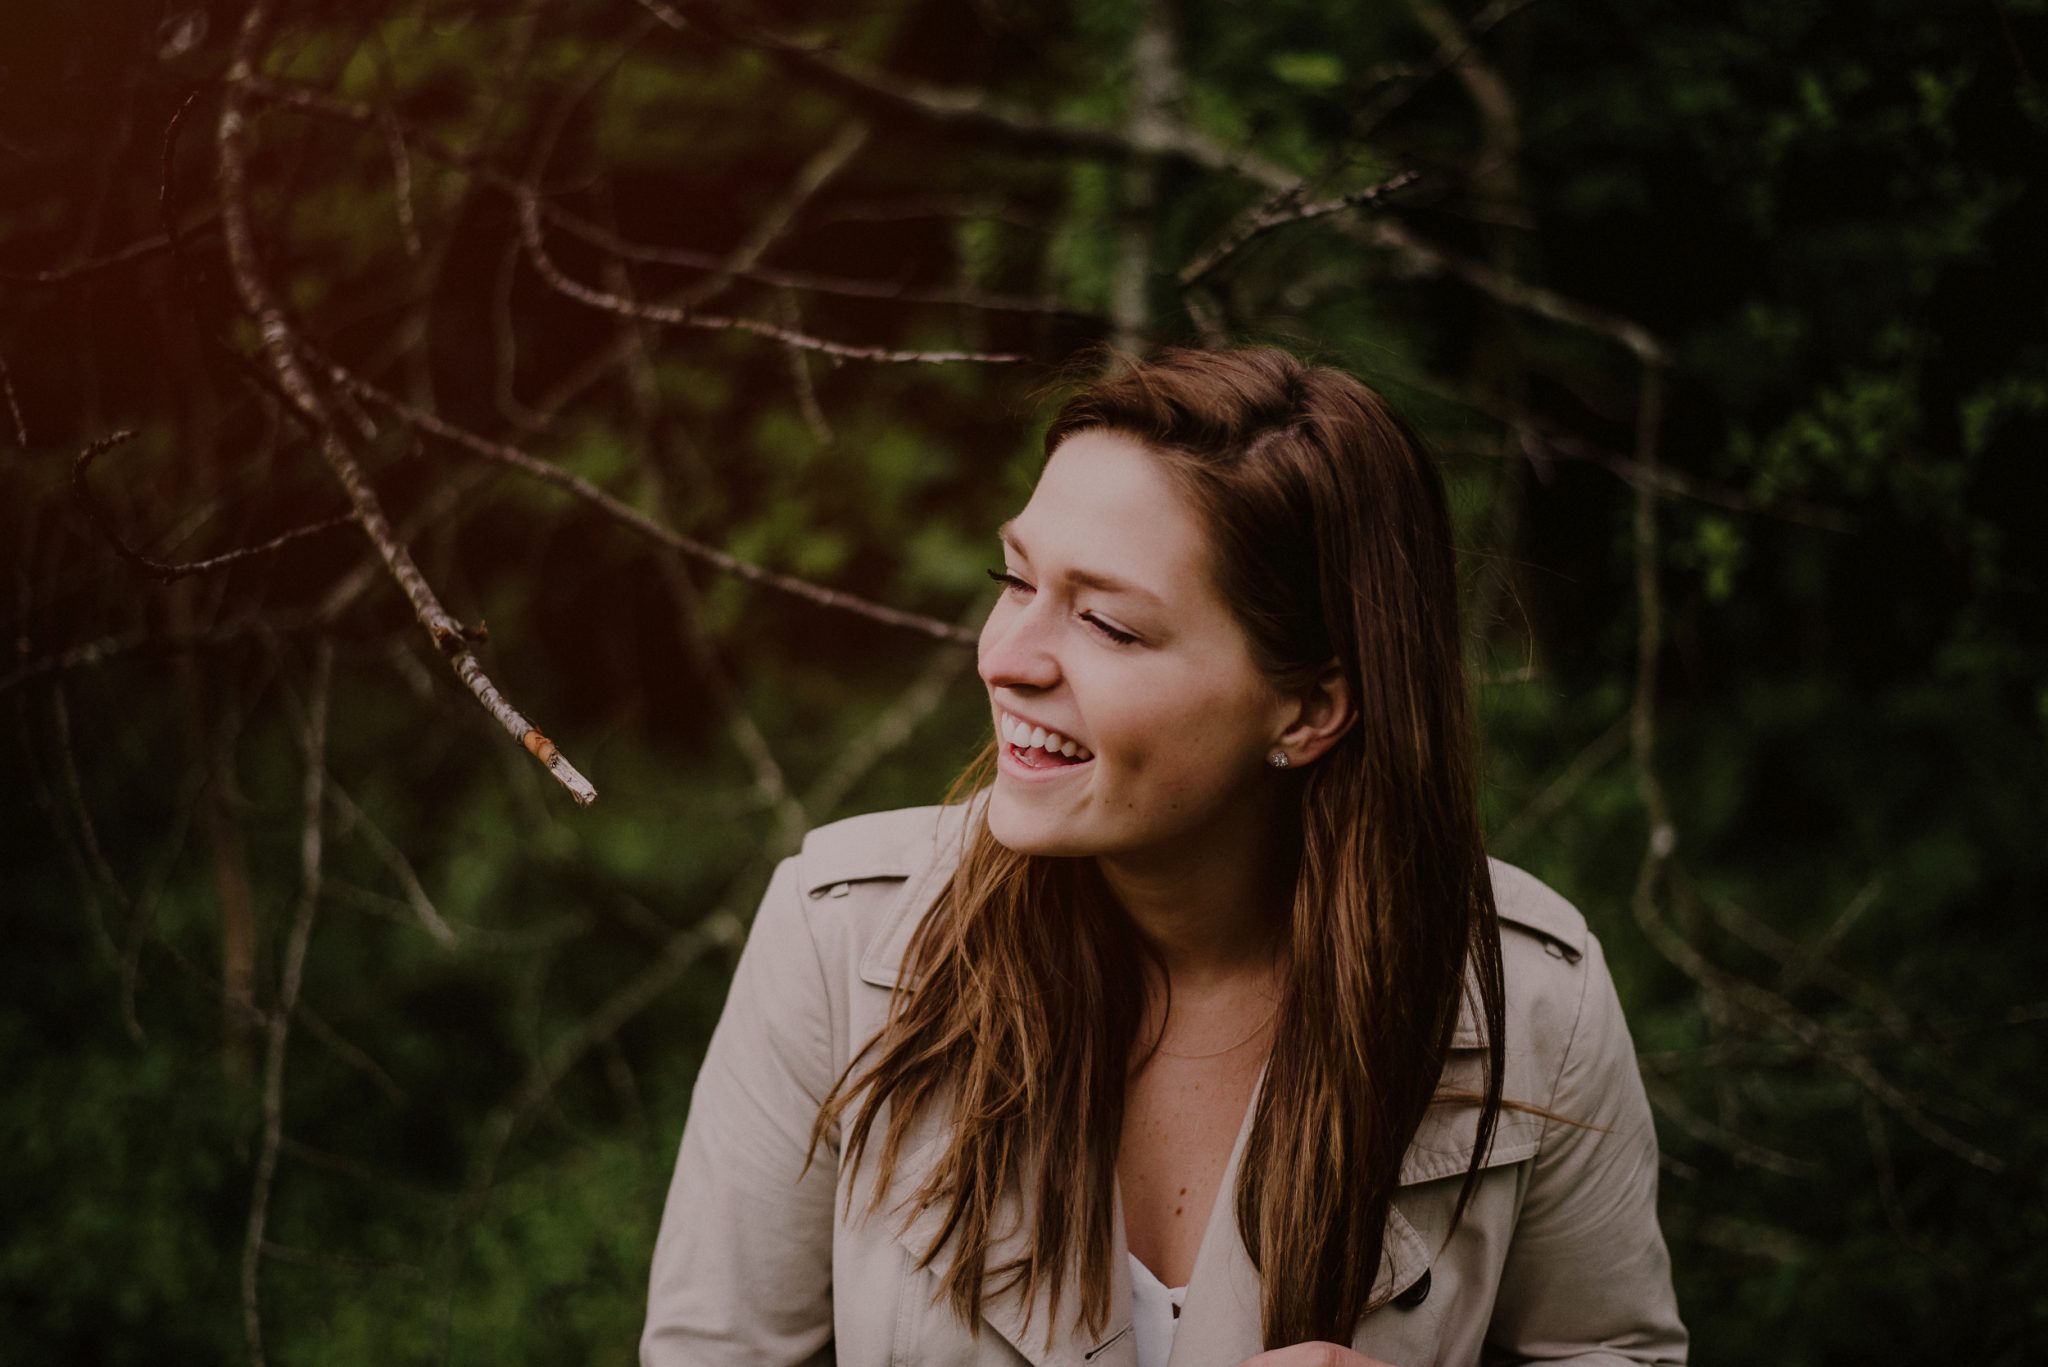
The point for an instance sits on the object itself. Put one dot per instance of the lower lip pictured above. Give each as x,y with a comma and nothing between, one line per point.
1014,765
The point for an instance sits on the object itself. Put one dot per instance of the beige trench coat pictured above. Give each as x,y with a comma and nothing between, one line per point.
1559,1257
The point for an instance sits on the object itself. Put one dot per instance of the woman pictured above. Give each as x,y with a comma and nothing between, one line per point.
1202,1031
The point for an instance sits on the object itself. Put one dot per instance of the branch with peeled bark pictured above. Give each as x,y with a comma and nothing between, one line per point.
448,634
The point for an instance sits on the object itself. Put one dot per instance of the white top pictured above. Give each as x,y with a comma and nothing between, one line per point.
1155,1313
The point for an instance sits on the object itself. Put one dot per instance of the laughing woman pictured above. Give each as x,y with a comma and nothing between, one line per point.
1195,1027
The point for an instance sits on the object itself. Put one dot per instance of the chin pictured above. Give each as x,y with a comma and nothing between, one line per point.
1031,833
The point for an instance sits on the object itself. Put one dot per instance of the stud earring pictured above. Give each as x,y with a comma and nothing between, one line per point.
1278,759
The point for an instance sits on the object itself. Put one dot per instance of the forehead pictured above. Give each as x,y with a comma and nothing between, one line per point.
1105,505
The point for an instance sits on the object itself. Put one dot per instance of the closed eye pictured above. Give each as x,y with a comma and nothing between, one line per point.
1011,583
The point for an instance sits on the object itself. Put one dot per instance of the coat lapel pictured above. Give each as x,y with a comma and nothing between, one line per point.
1042,1341
1068,1345
1220,1324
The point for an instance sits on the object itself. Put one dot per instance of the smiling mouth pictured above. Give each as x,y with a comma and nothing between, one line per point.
1038,757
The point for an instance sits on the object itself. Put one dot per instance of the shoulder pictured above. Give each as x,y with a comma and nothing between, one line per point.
886,845
1528,904
1563,1007
866,880
1547,953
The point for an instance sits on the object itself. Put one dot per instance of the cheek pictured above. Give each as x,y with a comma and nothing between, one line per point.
1184,740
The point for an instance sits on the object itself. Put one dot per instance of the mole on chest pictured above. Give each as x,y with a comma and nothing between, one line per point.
1176,1145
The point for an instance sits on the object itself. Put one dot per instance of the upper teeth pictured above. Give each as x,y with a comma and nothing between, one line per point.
1025,736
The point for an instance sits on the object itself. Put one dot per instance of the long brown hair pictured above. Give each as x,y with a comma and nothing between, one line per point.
1329,537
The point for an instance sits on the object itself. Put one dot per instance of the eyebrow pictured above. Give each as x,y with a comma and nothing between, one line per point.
1088,578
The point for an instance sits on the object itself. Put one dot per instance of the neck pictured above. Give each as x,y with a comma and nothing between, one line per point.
1216,909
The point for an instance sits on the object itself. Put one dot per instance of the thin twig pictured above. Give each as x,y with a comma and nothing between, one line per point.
336,1262
537,253
1282,209
1798,963
1449,55
809,282
346,1050
771,784
13,406
140,250
898,722
721,929
1736,1146
301,934
399,866
1662,840
1560,790
94,861
166,571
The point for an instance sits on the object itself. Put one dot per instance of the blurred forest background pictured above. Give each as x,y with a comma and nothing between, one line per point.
658,371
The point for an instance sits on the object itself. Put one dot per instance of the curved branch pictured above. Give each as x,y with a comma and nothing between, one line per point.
640,522
536,252
166,571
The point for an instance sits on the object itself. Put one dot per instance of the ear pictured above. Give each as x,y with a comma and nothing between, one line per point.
1322,713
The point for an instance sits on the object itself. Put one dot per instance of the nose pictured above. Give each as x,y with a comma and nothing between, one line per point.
1016,648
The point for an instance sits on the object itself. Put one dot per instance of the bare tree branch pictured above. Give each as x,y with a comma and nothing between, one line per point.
102,518
143,249
810,282
1282,209
346,1050
277,341
1596,756
536,252
1662,841
893,729
315,742
1736,1146
394,860
771,785
13,405
632,517
981,114
1456,46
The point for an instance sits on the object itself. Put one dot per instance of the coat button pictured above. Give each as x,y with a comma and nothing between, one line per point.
1415,1294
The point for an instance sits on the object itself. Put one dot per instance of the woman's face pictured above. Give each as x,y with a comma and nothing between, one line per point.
1114,636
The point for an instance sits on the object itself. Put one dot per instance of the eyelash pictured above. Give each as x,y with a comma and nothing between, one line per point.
1122,638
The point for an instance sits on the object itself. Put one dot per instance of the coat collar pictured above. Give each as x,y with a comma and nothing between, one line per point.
923,851
1220,1326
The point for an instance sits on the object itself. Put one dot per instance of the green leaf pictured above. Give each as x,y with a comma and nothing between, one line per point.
1308,70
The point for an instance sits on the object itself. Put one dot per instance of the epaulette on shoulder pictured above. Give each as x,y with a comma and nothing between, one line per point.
887,844
1527,901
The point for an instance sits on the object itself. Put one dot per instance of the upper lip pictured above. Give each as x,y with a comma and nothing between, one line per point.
1056,730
